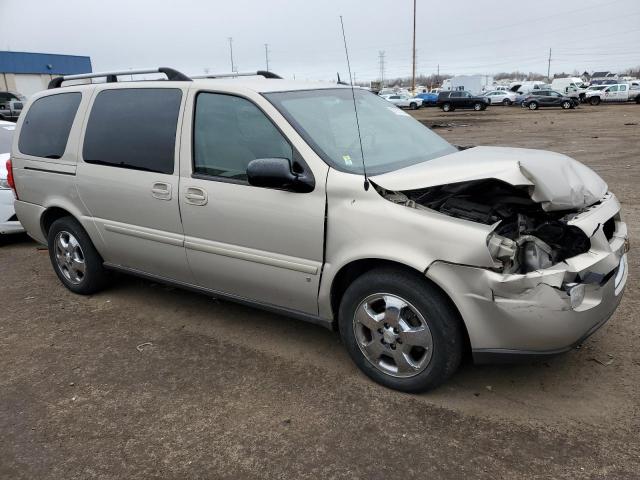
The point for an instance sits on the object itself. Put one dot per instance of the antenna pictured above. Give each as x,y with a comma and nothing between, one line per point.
355,109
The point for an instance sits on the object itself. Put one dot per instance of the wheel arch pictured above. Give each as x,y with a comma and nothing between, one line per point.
356,268
50,215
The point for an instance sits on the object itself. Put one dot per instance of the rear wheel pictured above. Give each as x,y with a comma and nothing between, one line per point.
447,107
74,258
594,101
400,330
533,106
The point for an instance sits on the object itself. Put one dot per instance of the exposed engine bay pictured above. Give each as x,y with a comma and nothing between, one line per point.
525,238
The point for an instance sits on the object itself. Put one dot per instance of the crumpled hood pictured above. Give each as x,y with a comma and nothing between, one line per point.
557,182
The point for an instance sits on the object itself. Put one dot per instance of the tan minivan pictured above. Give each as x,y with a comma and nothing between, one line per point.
268,192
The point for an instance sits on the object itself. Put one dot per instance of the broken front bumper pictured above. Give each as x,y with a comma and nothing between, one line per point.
546,311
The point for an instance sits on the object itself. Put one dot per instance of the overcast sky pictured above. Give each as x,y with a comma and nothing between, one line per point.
304,37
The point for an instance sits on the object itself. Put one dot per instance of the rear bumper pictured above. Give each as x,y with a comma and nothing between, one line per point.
533,314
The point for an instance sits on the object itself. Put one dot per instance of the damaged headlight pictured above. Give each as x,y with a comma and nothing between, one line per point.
535,254
527,254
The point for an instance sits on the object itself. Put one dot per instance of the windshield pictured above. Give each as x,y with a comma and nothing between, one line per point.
391,138
6,137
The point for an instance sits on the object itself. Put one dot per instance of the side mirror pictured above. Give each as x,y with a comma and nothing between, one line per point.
276,173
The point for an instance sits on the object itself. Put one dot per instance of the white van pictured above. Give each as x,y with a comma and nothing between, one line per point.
572,87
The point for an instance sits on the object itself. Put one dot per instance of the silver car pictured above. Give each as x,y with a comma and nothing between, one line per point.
265,191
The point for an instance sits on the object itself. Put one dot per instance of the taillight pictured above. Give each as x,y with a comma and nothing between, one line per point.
10,179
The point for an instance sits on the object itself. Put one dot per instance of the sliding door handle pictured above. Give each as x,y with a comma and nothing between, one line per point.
195,196
161,191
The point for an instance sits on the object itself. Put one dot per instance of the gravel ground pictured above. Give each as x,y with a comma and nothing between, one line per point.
224,391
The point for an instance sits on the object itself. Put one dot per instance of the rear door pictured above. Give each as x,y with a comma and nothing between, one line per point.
128,178
623,93
263,245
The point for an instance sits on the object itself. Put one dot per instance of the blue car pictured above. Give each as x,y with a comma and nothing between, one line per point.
428,98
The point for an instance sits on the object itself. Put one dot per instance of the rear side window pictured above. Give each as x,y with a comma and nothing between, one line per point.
134,128
46,128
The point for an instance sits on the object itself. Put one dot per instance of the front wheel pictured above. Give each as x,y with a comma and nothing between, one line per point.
533,106
506,102
478,106
400,330
74,258
413,106
566,105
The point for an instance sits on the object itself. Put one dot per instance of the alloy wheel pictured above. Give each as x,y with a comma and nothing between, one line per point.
393,335
70,257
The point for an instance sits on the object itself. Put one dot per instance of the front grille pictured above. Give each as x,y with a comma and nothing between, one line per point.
609,228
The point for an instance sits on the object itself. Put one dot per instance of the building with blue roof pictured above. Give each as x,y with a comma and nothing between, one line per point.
27,72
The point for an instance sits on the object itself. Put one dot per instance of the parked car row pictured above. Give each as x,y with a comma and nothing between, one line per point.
10,105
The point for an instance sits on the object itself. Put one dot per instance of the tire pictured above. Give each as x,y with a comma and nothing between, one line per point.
594,100
447,107
478,106
413,106
566,105
533,106
506,102
427,318
78,265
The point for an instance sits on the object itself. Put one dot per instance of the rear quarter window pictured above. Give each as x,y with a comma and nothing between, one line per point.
134,128
46,127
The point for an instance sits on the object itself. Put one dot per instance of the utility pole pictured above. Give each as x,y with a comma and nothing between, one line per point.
381,62
354,78
413,75
549,67
266,54
233,68
438,76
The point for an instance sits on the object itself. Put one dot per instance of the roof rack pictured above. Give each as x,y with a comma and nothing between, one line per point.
259,73
113,76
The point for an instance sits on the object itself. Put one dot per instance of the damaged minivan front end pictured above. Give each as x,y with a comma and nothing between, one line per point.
556,238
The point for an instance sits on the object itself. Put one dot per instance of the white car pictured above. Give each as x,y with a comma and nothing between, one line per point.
8,221
501,97
404,101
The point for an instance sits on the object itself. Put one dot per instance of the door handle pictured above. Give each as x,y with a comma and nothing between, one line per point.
196,196
161,191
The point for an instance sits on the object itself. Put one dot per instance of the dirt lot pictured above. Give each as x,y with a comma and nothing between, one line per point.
224,391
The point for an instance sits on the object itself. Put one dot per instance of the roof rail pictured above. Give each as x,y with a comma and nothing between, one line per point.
259,73
113,76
